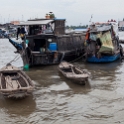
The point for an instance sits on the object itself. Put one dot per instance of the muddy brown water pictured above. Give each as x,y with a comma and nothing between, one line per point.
57,100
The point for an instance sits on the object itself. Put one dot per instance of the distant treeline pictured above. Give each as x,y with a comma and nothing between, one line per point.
76,27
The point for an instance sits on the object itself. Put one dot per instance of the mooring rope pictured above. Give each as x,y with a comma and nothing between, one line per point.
14,60
63,55
78,58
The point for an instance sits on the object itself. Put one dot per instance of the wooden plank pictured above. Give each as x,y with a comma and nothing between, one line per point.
0,81
11,84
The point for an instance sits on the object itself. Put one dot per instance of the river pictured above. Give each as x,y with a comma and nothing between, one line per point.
57,100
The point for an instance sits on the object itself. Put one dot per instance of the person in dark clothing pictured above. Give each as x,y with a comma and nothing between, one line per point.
98,42
18,32
22,32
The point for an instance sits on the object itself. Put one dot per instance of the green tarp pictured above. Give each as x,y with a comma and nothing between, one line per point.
107,45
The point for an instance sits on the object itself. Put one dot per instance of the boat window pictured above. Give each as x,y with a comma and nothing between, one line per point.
39,43
39,29
35,29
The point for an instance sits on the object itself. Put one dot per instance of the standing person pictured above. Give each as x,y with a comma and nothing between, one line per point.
22,32
87,36
18,32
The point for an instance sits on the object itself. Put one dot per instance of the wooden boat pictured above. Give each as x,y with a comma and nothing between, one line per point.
73,73
14,83
47,42
103,43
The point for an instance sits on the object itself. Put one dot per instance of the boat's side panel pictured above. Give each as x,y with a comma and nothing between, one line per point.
68,47
103,59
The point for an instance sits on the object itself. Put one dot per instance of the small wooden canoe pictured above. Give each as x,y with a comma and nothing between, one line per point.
73,73
14,82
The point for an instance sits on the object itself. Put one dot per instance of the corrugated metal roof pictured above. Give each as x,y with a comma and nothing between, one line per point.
100,29
43,22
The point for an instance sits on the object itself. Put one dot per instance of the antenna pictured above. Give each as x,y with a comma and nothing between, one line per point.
91,18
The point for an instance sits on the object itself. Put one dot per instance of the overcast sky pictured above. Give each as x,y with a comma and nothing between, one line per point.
76,12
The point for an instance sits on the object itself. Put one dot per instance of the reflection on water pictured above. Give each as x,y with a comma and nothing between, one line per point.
20,107
60,101
76,88
14,110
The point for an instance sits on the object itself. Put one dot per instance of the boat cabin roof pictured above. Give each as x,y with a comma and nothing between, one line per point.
41,22
38,22
54,26
100,28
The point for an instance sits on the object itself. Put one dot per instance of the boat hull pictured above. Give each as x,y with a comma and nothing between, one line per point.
103,59
48,59
16,94
73,73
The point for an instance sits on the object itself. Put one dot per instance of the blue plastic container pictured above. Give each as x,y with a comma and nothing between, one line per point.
52,46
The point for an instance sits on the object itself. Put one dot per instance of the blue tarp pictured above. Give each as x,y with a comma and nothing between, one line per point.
17,45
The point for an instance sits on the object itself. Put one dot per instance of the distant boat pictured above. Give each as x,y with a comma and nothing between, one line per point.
103,43
14,83
121,34
73,73
77,30
81,29
70,30
121,31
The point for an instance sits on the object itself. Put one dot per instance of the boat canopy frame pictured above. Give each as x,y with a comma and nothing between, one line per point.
41,22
